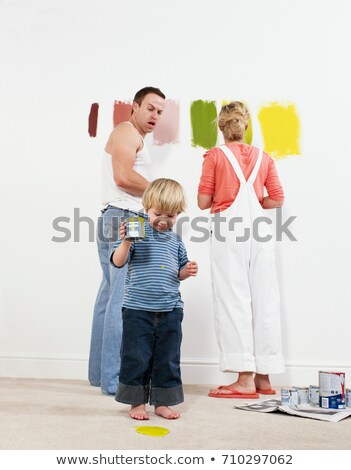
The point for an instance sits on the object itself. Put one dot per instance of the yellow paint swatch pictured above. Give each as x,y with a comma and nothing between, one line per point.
280,126
156,431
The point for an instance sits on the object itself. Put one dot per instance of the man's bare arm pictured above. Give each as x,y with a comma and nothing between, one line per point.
123,144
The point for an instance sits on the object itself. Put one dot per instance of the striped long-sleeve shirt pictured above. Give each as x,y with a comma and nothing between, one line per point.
154,263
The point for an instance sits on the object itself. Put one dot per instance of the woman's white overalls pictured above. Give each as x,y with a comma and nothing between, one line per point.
245,286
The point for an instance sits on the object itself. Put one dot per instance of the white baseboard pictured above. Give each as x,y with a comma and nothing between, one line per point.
194,370
43,366
207,372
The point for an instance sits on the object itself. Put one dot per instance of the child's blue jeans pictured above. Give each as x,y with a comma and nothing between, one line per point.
150,358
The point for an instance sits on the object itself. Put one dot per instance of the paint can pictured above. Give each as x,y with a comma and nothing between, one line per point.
285,396
313,395
135,229
294,396
302,395
332,390
348,397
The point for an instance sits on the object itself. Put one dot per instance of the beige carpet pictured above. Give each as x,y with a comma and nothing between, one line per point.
70,414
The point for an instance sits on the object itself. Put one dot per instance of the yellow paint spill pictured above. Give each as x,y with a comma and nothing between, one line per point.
156,431
280,126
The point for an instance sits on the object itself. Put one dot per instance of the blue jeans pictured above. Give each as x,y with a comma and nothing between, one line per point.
150,355
106,335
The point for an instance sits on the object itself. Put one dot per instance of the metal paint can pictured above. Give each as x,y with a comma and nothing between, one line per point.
285,396
348,397
313,395
332,390
294,396
135,229
302,395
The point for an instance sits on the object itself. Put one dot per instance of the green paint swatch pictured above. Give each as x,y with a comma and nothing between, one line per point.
203,115
248,133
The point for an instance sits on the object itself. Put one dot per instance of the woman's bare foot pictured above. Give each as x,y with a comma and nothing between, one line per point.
244,384
166,412
262,382
138,412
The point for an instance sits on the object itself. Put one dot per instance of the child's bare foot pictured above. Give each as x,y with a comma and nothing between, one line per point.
166,412
138,412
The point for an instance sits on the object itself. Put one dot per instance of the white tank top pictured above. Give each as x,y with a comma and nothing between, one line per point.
114,195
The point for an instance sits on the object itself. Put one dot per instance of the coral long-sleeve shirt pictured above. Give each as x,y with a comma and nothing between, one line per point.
219,179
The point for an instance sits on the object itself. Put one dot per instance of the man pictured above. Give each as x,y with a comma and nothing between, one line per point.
126,172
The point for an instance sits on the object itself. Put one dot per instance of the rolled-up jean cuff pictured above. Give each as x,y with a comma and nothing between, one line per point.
166,396
132,394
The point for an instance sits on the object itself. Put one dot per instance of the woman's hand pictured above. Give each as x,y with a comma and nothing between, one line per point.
269,203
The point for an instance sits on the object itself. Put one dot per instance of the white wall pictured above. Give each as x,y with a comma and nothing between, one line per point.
61,55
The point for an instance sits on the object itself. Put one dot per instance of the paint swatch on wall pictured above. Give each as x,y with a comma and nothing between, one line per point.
121,112
280,126
93,119
248,132
203,116
167,129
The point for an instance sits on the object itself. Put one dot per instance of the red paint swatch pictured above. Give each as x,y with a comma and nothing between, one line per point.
93,119
122,111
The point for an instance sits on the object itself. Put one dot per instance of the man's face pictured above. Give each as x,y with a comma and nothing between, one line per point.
149,112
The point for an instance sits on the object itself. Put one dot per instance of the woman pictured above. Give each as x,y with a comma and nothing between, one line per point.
245,287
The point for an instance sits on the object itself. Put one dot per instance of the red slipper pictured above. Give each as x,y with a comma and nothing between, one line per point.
234,394
266,392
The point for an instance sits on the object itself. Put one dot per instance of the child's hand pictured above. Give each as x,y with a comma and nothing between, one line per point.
191,268
122,232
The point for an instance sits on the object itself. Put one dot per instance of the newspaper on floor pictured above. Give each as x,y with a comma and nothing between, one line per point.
305,411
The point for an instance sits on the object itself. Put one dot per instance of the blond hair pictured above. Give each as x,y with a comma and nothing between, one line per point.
233,120
164,195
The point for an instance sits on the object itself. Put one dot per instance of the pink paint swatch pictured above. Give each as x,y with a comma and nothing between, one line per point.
167,129
121,112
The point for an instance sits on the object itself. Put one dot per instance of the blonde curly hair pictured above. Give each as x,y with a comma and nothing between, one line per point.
233,120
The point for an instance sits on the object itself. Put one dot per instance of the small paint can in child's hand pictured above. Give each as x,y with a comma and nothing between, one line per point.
135,229
332,390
